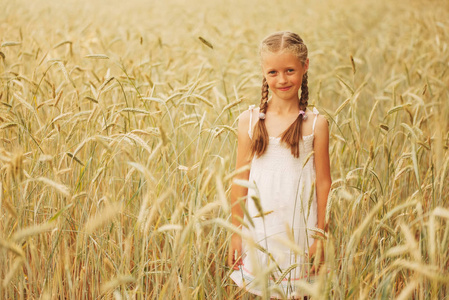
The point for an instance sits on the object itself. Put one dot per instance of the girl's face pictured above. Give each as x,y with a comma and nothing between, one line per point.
283,72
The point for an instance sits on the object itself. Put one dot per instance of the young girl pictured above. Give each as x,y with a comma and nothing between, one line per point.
286,146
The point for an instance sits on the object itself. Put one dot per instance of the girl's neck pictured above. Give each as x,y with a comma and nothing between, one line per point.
283,107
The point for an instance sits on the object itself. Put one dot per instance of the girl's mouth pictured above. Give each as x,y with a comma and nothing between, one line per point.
284,88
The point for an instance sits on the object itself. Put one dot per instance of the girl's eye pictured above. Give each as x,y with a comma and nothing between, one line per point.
272,72
290,70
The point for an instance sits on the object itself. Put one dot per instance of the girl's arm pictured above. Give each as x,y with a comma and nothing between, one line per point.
322,167
239,192
323,177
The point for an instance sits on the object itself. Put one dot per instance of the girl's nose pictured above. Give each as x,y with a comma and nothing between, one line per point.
282,78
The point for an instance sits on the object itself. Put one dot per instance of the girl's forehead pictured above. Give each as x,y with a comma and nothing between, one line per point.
279,57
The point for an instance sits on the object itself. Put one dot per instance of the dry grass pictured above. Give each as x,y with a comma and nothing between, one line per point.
117,142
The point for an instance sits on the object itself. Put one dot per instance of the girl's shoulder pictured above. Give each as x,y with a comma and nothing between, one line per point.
253,109
246,121
320,119
321,122
248,114
321,129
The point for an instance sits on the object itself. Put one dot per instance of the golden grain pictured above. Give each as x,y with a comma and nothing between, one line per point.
103,217
116,167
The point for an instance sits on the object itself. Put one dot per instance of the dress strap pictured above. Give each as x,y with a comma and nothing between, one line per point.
250,130
316,112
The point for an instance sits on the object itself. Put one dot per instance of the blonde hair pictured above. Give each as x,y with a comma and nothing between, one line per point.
273,43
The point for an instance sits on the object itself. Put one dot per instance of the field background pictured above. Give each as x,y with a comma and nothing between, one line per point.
117,143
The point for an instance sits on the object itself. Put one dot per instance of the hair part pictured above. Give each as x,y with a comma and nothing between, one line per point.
280,41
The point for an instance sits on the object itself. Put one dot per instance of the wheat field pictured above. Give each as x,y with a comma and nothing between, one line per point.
118,140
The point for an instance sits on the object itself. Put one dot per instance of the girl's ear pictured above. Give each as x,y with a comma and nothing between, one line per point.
306,65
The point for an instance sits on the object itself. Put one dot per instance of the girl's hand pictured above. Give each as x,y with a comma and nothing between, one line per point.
235,259
313,256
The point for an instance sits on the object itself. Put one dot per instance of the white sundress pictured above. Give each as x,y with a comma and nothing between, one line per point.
279,240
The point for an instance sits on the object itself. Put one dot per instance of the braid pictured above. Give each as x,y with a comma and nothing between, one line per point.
264,99
293,134
260,137
303,102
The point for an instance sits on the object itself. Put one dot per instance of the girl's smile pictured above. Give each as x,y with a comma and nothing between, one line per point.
285,88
